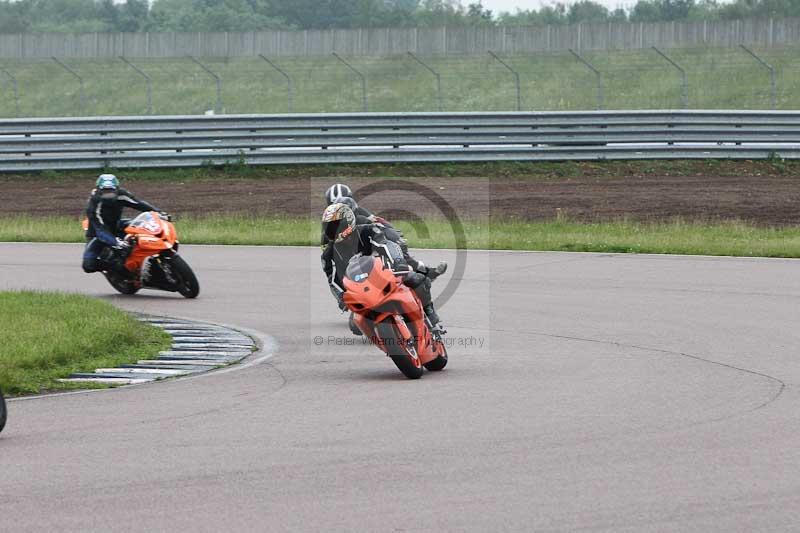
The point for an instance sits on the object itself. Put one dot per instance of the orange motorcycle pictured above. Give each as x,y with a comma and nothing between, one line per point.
390,314
152,261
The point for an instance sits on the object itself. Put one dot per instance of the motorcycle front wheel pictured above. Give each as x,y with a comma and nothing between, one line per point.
3,412
403,354
188,285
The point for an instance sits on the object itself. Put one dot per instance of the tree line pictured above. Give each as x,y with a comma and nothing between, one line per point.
17,16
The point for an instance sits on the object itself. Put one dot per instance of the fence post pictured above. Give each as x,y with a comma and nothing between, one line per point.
684,83
217,79
82,95
772,83
147,79
600,96
289,91
14,87
360,75
516,78
436,75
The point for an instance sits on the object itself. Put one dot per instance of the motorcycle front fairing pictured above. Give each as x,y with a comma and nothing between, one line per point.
375,294
150,235
154,241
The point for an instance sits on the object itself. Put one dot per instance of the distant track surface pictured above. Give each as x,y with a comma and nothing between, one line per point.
611,392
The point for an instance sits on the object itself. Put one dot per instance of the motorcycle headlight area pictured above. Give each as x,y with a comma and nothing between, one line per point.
151,243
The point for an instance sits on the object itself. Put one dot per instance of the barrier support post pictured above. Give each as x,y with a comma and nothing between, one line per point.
360,75
516,78
772,78
289,88
82,95
684,83
600,95
436,75
148,81
14,88
217,79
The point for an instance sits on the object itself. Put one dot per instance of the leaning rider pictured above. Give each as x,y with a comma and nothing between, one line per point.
104,214
346,238
341,193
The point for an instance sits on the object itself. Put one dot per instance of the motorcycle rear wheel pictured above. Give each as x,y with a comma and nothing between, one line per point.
410,366
3,412
188,285
122,285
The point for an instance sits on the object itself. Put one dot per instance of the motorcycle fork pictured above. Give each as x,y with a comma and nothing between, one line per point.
402,327
163,258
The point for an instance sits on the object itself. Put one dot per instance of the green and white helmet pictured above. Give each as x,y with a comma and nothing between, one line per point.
107,182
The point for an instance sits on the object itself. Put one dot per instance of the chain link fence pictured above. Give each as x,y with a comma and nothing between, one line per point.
697,78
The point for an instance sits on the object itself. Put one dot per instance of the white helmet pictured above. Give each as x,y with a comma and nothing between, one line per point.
336,191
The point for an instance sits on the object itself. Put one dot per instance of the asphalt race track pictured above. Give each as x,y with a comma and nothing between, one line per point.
584,391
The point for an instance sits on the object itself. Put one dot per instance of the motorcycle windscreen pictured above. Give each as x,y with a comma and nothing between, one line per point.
144,223
359,267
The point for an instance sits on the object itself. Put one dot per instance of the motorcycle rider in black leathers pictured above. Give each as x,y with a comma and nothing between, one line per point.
104,213
346,237
341,193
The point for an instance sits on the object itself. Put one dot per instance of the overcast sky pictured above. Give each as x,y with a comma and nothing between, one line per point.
512,5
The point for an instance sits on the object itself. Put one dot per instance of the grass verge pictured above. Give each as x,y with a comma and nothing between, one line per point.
47,336
674,237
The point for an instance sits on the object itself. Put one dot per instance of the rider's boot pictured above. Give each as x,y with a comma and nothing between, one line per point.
421,283
433,316
440,269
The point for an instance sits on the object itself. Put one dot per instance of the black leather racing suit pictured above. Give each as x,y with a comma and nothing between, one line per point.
105,216
365,239
365,216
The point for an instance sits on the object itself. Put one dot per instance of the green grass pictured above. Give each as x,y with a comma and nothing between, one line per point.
672,237
676,237
635,79
47,336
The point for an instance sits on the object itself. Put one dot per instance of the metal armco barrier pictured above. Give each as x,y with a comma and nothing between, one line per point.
183,141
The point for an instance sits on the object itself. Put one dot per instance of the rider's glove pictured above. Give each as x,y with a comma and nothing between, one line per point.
166,216
122,244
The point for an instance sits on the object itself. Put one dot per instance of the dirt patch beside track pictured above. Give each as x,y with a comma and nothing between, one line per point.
588,193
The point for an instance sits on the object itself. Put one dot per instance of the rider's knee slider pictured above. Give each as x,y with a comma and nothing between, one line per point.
414,280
